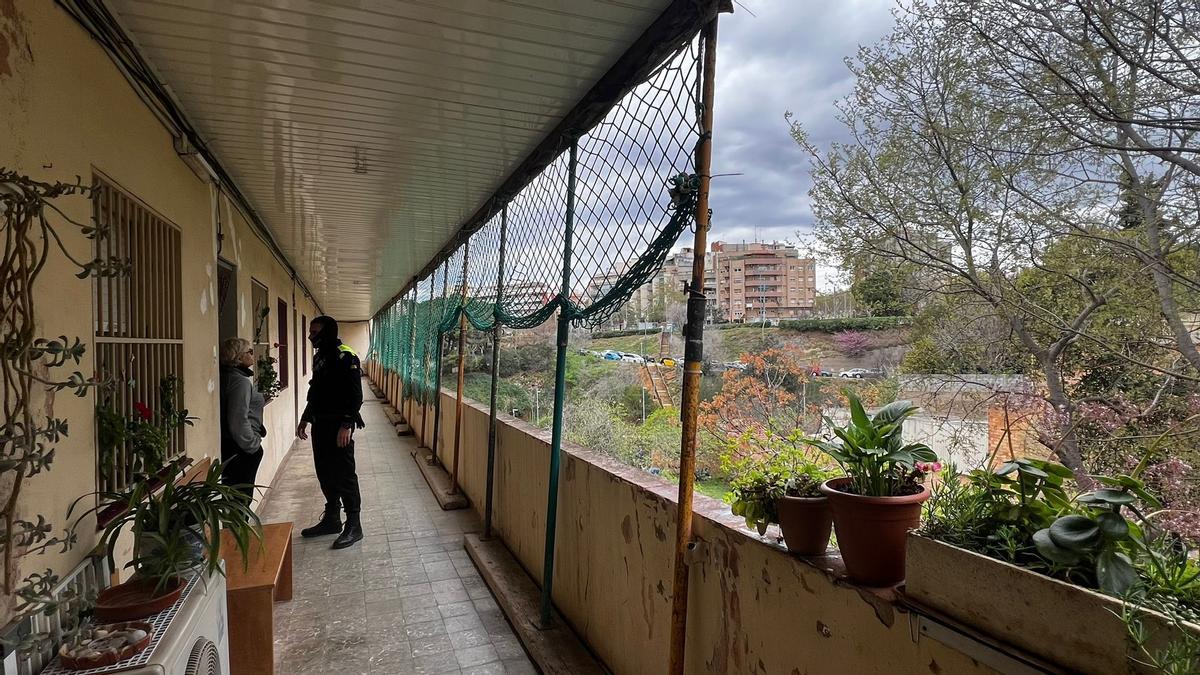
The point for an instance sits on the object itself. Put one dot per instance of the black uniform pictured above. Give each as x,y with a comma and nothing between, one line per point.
334,397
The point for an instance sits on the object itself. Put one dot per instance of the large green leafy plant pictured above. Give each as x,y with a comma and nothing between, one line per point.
872,452
178,527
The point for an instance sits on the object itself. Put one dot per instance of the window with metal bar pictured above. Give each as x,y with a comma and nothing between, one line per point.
138,321
303,347
284,370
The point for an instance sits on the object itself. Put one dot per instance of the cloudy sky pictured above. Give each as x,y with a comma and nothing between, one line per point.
787,56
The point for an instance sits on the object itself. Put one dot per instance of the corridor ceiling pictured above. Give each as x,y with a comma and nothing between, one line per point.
365,133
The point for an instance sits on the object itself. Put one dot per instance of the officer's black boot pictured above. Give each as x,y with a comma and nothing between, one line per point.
351,534
331,523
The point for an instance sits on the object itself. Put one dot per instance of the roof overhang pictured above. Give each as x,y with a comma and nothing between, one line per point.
367,138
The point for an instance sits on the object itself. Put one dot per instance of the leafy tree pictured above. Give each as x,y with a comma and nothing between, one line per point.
852,343
952,168
761,408
881,293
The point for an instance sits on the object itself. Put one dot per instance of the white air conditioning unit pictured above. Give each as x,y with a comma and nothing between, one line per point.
196,641
190,638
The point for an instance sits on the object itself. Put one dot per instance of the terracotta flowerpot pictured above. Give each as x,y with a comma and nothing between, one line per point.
137,599
872,531
806,522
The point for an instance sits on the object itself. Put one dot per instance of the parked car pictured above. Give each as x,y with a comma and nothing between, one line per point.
735,365
610,355
668,361
823,373
860,373
632,358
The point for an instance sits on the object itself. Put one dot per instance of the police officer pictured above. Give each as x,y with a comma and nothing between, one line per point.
334,397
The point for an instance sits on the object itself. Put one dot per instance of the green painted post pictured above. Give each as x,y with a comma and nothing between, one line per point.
560,386
437,367
491,457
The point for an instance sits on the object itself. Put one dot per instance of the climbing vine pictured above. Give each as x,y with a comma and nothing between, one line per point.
32,230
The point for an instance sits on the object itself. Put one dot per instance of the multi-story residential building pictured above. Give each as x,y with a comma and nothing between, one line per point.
762,281
677,271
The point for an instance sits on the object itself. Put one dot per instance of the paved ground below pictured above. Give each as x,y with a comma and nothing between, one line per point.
404,600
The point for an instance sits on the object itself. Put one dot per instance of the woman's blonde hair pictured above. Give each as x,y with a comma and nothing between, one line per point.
232,349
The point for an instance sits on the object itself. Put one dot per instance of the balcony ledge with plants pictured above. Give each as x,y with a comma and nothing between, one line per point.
1081,579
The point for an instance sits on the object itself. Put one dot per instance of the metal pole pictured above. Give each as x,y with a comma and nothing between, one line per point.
693,356
458,403
462,351
491,458
410,345
437,369
560,386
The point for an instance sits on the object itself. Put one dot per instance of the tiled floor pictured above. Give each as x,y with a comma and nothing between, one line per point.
404,600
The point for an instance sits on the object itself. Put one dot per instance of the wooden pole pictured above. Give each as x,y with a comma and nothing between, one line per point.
693,358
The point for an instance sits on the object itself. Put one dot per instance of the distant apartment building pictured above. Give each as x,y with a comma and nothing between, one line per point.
743,282
521,296
757,281
677,271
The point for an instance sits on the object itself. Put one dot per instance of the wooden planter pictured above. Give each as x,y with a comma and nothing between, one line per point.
1065,624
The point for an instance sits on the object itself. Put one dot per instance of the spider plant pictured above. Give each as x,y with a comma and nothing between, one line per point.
177,528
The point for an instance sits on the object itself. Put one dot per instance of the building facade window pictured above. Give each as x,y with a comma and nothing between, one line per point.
284,370
138,321
260,300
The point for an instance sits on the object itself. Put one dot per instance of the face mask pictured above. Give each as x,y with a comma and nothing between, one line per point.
315,339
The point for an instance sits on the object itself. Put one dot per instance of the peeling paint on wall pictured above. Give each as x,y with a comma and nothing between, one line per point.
14,45
204,301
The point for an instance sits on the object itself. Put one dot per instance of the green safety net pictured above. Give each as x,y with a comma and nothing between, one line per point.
632,186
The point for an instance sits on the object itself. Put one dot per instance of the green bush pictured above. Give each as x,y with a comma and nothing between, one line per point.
599,335
850,323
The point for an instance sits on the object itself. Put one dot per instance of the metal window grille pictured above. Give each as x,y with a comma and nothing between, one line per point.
300,333
260,301
138,317
284,367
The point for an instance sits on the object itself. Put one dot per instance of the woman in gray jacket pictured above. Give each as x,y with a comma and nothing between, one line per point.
242,427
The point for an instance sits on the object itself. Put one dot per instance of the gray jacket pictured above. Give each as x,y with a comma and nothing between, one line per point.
242,405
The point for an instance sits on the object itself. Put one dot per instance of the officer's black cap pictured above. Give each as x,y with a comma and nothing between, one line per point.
329,326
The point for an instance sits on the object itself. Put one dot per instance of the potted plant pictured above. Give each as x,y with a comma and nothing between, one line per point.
176,529
785,490
1096,586
879,499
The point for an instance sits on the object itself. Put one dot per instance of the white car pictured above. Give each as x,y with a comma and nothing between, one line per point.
633,358
860,373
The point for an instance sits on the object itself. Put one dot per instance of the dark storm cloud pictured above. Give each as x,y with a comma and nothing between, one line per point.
787,57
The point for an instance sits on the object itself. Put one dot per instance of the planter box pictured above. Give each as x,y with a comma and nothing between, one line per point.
1076,628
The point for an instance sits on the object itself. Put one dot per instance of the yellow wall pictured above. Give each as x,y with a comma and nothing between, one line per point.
753,608
253,260
65,111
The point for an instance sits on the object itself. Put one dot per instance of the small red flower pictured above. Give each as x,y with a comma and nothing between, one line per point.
142,410
929,467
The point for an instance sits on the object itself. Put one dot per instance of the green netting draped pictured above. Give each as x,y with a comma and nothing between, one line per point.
634,194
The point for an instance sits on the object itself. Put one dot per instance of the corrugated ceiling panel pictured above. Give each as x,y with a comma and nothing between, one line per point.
364,132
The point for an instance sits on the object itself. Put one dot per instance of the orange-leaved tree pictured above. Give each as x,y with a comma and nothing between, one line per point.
761,409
